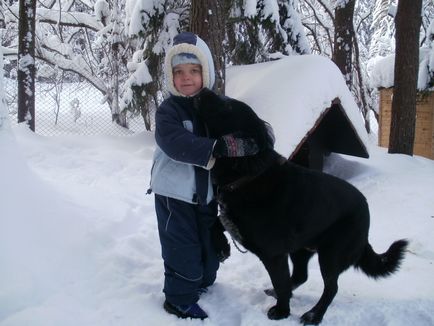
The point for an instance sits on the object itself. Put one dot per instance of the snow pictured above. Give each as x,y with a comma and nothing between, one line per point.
24,62
294,24
382,74
72,19
76,64
139,77
339,3
271,10
102,9
79,242
250,8
140,14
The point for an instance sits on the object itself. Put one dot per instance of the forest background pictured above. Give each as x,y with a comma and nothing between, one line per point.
118,46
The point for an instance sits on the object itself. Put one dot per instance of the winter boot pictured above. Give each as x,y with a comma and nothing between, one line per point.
185,311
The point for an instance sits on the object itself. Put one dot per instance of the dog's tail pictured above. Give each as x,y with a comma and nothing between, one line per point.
382,265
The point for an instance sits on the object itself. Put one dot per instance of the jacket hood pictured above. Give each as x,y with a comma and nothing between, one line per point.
187,42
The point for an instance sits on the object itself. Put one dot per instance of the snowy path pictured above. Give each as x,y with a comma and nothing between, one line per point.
84,249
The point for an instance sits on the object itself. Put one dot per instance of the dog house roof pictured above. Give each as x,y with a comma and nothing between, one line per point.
299,95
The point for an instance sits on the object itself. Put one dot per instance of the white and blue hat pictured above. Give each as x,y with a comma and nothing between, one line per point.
189,48
183,58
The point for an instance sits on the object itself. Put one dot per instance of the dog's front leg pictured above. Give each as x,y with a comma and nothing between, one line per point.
278,269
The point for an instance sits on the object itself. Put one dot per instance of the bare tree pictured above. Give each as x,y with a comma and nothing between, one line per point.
317,18
402,128
26,63
78,38
340,30
382,28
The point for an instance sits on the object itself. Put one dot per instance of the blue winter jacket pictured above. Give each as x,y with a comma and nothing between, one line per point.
183,156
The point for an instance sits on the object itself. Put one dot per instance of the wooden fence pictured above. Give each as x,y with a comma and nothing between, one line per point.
424,137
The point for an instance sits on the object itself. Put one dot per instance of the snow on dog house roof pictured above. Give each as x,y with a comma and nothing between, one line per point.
308,104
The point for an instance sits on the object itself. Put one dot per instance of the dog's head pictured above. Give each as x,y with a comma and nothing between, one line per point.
224,116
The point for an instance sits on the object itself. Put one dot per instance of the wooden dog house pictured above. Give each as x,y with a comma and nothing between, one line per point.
307,102
424,131
332,132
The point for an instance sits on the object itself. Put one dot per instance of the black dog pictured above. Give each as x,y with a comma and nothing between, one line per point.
274,208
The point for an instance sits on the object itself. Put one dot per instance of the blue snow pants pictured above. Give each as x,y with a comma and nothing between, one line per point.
190,260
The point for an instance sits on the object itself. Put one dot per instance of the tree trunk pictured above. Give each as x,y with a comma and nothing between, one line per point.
343,41
115,58
207,19
361,98
402,128
26,63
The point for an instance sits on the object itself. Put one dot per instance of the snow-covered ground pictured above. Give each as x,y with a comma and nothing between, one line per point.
82,110
79,243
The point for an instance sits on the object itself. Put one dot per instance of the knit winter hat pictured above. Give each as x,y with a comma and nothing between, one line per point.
182,58
191,44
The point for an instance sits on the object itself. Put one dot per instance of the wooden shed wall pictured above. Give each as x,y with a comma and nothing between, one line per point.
424,138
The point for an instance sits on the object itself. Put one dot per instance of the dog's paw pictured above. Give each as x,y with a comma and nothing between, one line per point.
310,318
276,313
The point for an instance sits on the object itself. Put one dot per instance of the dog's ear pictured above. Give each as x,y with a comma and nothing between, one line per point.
270,135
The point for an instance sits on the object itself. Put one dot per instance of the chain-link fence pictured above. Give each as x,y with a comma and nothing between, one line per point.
70,108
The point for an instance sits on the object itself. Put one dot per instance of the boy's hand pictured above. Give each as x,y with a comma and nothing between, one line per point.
233,145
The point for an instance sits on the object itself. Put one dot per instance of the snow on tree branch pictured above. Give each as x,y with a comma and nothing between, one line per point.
76,64
51,16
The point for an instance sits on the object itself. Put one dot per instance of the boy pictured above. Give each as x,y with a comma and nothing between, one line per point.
184,203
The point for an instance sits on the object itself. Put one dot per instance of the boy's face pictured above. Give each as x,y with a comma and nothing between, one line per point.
187,78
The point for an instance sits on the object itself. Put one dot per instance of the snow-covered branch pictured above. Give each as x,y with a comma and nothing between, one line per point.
76,65
51,16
